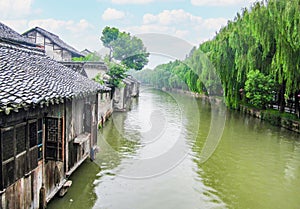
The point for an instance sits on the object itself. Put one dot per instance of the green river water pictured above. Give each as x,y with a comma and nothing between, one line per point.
154,157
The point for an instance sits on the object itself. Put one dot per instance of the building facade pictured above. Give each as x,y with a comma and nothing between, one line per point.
54,47
48,122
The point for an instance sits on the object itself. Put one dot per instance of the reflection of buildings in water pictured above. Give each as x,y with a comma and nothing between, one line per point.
114,141
292,167
82,192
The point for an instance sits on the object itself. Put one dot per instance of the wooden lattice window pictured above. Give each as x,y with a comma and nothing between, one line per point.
20,155
32,134
7,151
19,151
40,138
21,138
53,138
32,154
8,173
7,143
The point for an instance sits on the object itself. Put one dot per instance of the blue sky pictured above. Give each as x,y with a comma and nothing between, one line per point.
79,23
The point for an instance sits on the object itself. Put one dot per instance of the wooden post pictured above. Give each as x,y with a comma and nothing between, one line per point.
42,202
297,108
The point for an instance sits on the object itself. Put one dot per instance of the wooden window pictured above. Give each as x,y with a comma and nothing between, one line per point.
32,134
8,143
40,138
20,155
8,173
19,151
53,138
32,154
21,138
8,161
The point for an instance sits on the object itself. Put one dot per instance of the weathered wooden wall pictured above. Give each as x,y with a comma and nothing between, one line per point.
25,191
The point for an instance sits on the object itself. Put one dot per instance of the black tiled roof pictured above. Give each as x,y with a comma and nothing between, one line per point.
8,34
56,40
75,66
29,78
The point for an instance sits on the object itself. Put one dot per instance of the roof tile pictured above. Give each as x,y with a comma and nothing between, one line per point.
29,77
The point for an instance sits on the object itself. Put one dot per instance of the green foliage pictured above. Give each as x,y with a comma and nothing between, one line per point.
99,79
117,73
123,47
170,75
136,62
275,117
109,35
92,57
264,37
259,89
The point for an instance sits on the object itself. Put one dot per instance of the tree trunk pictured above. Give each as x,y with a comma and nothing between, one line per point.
281,99
110,54
297,107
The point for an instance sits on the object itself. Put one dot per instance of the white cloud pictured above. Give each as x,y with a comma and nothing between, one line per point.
149,18
221,2
181,24
17,25
51,24
152,28
79,34
131,1
113,14
169,17
214,23
182,33
61,25
16,8
82,25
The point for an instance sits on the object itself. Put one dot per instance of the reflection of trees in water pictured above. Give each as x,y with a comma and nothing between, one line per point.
115,142
82,192
254,166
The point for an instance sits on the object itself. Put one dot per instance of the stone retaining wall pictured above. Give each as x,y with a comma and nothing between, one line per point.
289,124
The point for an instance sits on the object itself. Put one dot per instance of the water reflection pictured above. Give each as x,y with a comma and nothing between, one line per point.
82,192
249,168
255,165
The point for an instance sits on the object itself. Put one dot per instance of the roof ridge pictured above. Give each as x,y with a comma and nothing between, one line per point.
10,35
18,46
44,30
55,39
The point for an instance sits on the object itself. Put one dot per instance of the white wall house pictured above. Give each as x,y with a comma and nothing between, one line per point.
54,47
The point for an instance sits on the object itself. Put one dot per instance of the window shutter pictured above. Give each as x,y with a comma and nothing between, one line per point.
53,135
33,149
8,161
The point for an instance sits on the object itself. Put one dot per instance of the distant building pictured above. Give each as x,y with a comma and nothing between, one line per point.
60,51
123,95
91,70
54,47
86,52
48,122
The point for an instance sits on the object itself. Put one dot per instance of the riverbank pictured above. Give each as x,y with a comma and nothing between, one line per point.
215,99
271,116
148,161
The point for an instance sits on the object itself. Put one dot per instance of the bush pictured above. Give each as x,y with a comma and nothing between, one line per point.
259,89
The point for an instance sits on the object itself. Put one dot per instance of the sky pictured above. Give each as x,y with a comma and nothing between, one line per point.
80,23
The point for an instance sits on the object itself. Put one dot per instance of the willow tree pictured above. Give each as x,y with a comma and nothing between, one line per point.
264,37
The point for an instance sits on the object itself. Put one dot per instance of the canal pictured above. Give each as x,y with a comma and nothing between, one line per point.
154,156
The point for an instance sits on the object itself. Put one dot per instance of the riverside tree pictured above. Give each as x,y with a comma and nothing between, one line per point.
260,89
265,37
128,52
